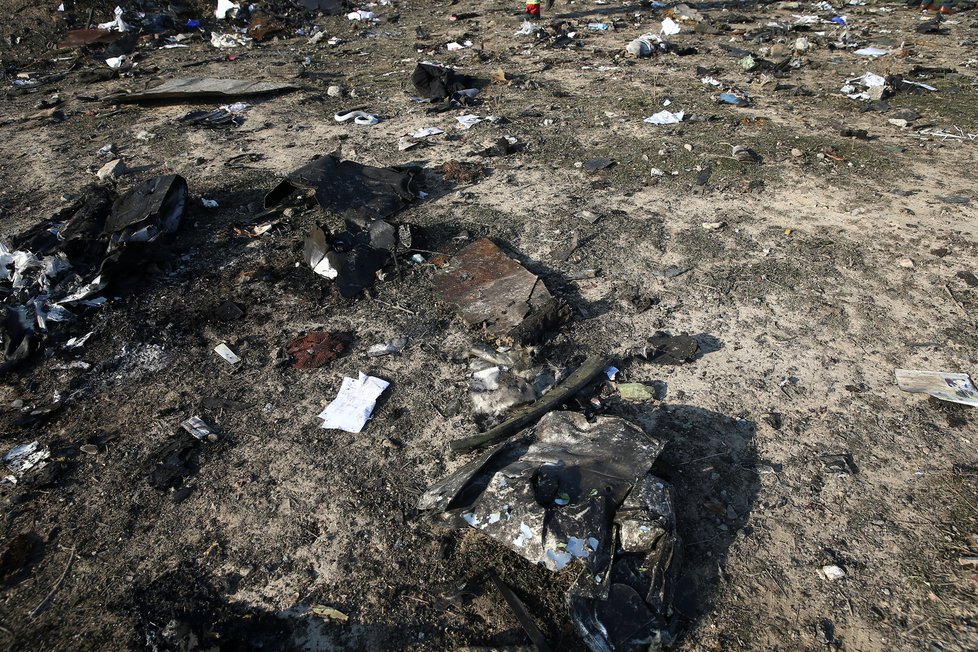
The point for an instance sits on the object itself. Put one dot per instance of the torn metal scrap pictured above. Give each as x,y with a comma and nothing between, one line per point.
200,88
351,258
558,495
492,290
570,387
636,612
148,210
663,348
356,192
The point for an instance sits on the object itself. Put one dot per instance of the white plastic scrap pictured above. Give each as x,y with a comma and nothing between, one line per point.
393,347
666,118
711,81
669,27
468,121
360,15
868,81
225,6
117,24
77,342
454,46
427,131
117,62
353,405
229,40
209,203
528,29
226,353
871,52
236,107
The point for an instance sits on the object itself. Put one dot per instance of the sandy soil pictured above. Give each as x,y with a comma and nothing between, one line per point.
837,263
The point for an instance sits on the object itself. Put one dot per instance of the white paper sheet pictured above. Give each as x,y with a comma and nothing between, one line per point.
353,405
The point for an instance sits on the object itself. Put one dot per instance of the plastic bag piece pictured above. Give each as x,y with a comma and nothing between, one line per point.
358,193
435,82
148,210
635,613
550,494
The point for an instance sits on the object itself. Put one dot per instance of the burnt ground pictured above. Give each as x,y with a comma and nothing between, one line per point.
840,260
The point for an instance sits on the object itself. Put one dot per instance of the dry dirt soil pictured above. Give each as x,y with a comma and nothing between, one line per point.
840,259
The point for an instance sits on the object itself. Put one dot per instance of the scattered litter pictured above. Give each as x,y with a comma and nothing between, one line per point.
117,62
494,292
468,121
874,85
871,52
76,38
116,24
227,41
666,118
358,117
426,132
313,350
226,353
596,165
224,7
669,27
736,99
209,203
351,258
574,385
361,14
392,347
199,429
527,29
943,385
645,46
354,404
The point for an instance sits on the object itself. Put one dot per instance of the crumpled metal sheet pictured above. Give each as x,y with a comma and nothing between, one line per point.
572,493
551,494
198,88
494,291
633,614
356,192
149,209
352,258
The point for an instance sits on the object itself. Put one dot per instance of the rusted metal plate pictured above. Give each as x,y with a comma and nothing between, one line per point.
490,289
76,38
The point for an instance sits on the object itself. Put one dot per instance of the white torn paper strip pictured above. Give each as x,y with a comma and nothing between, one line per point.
353,405
944,385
